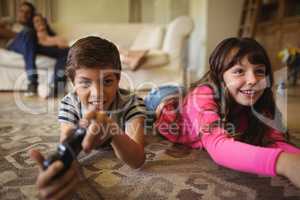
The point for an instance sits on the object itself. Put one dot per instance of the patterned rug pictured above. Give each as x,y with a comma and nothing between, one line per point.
170,172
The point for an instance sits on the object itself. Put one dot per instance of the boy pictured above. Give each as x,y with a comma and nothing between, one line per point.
98,104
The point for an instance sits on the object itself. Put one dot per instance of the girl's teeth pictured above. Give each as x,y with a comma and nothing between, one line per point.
248,92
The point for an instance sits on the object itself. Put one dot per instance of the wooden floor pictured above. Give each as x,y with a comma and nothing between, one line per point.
293,108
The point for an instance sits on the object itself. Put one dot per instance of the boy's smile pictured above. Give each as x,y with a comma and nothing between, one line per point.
245,82
96,87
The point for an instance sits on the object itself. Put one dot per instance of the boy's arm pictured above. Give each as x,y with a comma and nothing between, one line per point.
65,131
62,187
5,32
129,146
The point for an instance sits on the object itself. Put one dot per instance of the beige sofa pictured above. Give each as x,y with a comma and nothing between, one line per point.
164,62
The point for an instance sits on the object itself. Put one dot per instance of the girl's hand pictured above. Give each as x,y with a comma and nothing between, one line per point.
99,128
62,187
288,165
61,42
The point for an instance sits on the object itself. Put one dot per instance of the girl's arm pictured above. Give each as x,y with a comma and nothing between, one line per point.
253,159
240,156
224,150
280,142
47,40
58,41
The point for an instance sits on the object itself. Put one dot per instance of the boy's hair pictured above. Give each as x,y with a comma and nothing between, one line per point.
92,52
228,53
32,8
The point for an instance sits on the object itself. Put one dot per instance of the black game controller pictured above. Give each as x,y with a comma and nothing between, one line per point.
67,151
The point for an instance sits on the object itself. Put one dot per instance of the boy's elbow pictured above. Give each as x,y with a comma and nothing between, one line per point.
138,164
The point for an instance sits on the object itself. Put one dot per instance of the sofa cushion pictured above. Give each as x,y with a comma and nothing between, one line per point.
153,58
150,37
13,59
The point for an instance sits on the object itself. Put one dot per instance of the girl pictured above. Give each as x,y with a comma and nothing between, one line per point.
53,46
230,113
45,35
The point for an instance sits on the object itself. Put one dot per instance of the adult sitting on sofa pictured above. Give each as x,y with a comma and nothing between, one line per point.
163,63
23,40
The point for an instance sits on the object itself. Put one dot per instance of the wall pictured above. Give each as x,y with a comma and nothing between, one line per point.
197,43
222,21
102,11
147,11
214,20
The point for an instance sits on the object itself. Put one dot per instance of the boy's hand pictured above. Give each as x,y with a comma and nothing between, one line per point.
62,187
99,128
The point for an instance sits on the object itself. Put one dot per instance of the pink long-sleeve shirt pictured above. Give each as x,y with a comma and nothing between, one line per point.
190,126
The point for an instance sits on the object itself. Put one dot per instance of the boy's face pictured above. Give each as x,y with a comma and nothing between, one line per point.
96,88
24,14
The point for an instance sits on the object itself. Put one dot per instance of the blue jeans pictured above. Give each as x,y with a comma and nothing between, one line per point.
157,95
25,43
61,58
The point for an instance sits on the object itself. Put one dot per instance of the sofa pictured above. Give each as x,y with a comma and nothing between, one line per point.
163,63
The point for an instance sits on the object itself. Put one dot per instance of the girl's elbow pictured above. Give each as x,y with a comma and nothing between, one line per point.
218,159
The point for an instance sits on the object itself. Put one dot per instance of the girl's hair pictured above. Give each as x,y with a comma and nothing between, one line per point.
229,52
92,52
48,28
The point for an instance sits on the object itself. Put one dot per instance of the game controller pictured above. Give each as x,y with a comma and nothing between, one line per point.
67,151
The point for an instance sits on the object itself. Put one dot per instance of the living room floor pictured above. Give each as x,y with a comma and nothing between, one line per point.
171,171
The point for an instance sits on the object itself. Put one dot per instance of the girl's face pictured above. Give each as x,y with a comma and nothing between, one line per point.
245,82
96,88
39,23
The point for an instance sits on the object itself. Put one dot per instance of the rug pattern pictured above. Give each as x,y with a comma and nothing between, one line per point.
170,172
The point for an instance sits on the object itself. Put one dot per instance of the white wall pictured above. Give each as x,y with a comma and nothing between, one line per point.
102,11
147,11
223,21
164,11
214,21
198,41
161,11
